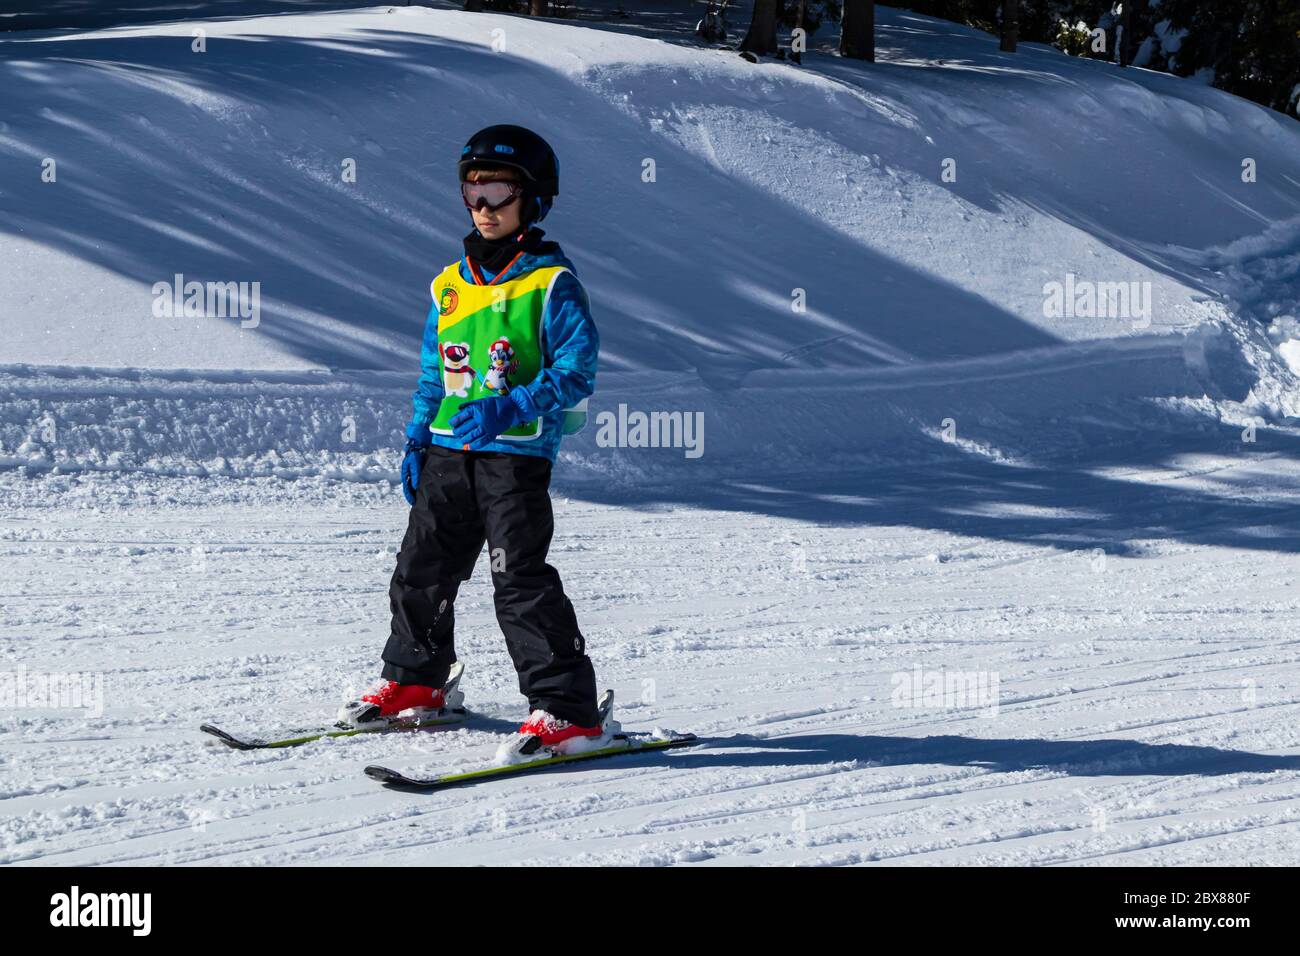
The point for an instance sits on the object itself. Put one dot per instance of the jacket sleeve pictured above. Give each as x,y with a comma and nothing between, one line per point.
570,345
428,392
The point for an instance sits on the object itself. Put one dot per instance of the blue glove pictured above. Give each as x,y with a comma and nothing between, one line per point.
418,438
480,421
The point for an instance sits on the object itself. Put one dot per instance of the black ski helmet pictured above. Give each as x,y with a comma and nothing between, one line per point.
515,147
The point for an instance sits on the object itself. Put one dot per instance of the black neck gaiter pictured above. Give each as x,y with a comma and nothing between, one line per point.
494,254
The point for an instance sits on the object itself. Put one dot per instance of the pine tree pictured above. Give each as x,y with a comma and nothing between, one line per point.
1247,47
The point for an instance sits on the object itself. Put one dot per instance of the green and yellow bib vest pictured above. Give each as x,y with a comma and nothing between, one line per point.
489,340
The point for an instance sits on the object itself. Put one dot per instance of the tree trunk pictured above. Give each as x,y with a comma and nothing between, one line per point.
473,6
1126,36
539,8
858,30
798,25
761,38
1011,25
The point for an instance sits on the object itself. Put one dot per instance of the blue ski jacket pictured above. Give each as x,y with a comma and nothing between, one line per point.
570,346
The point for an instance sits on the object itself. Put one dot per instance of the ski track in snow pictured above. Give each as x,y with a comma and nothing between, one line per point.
1147,707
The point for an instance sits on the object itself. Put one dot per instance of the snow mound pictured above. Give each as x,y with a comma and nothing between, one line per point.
1064,402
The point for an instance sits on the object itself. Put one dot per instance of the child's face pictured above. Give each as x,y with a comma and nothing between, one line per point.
493,224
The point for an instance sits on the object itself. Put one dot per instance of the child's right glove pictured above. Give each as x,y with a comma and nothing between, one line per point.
482,420
418,438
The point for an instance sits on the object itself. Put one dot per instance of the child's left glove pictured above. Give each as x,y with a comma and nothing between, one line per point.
480,421
418,438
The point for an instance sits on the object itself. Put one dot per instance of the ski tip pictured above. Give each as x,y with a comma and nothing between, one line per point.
394,780
225,738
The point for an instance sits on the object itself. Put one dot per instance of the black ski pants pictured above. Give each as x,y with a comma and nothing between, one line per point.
462,498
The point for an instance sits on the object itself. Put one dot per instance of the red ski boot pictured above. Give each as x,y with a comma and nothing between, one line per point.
394,698
552,730
544,733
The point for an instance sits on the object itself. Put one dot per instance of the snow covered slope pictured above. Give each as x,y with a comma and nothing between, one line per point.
226,165
926,296
924,469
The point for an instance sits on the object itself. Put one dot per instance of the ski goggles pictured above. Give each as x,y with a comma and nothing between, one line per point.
493,193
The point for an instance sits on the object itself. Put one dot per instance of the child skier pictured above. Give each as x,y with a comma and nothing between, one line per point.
509,354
